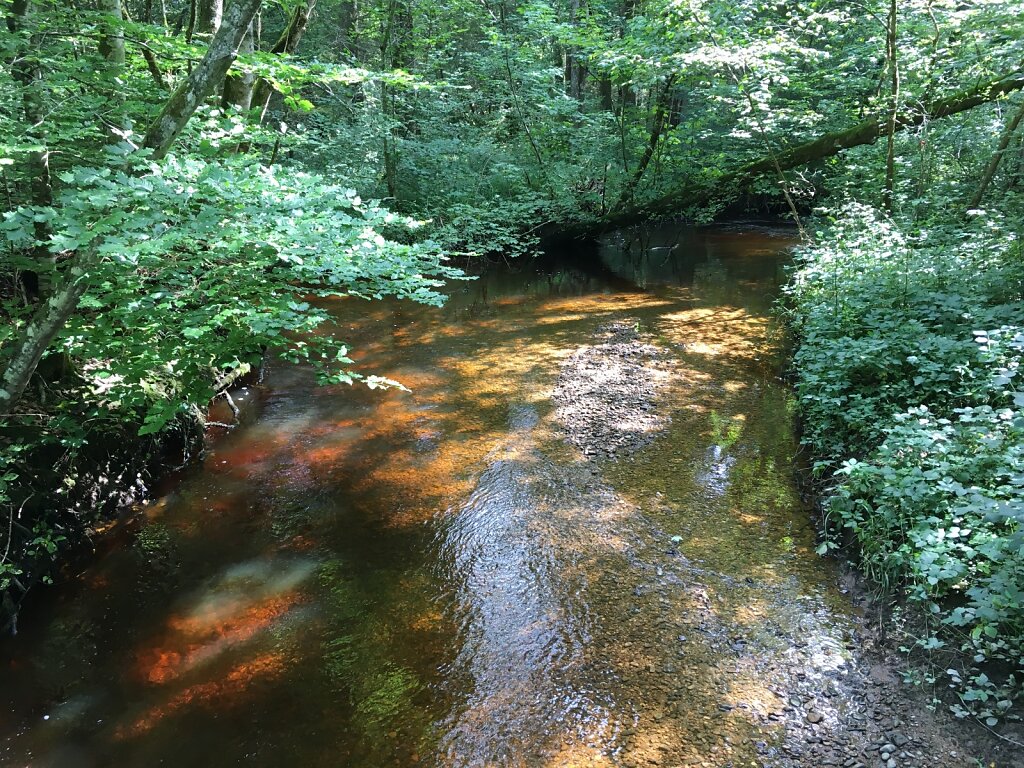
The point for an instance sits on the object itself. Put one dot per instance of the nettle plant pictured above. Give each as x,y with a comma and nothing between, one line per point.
908,376
938,508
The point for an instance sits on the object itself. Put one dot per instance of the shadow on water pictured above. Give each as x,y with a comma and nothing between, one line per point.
437,577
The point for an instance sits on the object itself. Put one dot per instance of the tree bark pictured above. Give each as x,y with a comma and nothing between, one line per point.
394,55
207,75
111,48
286,44
238,88
211,14
604,89
26,72
153,66
997,156
894,106
50,317
575,72
660,116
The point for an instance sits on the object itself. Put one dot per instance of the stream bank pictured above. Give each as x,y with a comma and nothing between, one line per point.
466,575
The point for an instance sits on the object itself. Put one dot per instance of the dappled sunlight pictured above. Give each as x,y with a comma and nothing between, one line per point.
475,589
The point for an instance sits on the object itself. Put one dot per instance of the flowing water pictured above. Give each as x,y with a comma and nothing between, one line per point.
439,577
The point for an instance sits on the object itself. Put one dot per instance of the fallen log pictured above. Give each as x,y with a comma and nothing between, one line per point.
865,132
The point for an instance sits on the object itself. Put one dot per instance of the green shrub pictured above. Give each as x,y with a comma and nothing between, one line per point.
909,348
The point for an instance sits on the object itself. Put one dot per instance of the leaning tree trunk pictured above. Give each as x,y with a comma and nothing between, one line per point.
28,348
997,156
866,132
34,339
207,75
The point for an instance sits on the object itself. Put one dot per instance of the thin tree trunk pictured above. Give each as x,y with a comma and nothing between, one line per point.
604,87
660,115
894,106
207,75
193,18
393,51
26,72
153,66
111,48
997,156
575,72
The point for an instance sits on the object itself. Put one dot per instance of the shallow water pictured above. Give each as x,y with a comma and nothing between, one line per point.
437,577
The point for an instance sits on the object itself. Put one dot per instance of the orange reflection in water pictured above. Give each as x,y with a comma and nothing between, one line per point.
228,690
195,639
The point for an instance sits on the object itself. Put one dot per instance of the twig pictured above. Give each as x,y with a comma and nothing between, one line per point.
1007,739
231,404
10,527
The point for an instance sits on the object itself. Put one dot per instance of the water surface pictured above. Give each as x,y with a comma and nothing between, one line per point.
437,577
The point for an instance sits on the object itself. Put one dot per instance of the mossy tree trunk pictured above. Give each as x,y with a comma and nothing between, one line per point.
202,81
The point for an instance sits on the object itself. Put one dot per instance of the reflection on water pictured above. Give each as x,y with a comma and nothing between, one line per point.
523,628
438,577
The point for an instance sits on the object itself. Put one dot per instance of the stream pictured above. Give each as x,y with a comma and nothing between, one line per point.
575,541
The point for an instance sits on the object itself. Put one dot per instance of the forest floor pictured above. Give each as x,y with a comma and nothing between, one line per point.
773,678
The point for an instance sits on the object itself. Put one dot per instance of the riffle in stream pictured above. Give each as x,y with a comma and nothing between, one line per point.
576,541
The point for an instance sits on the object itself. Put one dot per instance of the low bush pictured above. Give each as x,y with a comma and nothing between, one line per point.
909,347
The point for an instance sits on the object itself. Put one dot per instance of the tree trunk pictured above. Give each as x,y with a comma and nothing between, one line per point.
894,106
204,16
997,156
604,88
286,44
575,71
111,48
37,335
211,15
660,115
348,27
238,88
394,55
207,75
35,283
